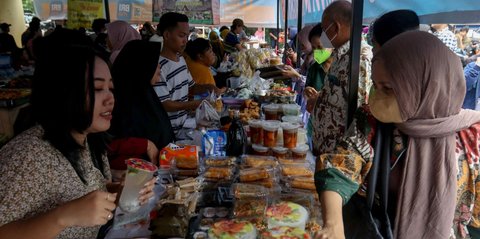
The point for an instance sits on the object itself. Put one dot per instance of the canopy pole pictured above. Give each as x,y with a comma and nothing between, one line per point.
278,24
355,45
107,10
299,28
285,37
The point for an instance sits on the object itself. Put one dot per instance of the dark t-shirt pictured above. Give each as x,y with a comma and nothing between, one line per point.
231,40
7,43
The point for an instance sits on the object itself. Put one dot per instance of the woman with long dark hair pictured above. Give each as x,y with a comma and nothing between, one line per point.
140,125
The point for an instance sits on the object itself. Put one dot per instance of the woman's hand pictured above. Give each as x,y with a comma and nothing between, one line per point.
288,71
330,232
152,152
147,191
93,209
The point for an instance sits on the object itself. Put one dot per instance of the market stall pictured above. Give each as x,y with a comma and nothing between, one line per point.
245,170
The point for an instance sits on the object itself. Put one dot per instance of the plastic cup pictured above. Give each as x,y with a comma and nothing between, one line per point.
271,112
280,152
301,136
256,131
270,130
291,109
260,150
292,119
139,172
289,135
300,152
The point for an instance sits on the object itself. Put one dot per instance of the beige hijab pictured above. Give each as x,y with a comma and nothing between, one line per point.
428,81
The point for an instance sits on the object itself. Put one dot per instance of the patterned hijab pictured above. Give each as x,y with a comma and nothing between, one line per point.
119,34
429,84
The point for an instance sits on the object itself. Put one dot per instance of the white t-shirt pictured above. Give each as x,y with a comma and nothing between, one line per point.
175,80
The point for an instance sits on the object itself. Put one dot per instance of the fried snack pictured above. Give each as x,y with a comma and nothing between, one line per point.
268,183
221,161
242,190
253,174
186,162
248,208
256,162
303,183
219,172
302,171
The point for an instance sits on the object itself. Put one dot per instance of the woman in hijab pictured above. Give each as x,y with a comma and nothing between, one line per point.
119,34
412,146
140,125
217,47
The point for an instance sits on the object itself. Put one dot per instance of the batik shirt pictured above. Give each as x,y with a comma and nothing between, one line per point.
330,112
346,169
35,178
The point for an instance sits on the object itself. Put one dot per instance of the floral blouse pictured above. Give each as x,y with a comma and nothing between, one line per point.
345,171
330,113
35,178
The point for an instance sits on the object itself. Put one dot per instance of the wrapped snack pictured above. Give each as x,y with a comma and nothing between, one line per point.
301,170
255,174
286,214
217,161
218,173
232,229
283,161
285,232
185,161
307,183
249,207
185,157
258,161
241,190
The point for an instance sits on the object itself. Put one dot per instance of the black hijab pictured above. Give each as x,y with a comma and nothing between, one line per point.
138,111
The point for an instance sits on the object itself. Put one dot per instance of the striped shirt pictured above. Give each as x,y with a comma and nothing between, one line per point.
175,80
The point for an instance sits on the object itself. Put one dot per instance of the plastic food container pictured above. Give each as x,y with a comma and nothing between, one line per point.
260,150
256,131
280,152
292,119
301,136
291,109
270,130
271,111
289,135
300,152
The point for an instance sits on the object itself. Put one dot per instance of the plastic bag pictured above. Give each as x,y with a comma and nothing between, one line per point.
206,114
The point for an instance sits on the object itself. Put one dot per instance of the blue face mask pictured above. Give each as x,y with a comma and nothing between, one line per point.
321,55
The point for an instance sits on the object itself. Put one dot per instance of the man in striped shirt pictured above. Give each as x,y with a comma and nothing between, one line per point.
175,79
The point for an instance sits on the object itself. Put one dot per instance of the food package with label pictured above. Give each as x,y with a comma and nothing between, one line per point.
214,142
182,157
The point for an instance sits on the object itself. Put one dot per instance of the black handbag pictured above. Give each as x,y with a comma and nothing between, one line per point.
367,217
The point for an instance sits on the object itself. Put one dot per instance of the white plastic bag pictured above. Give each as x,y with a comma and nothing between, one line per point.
206,115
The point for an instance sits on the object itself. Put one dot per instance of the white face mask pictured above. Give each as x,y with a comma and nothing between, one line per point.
326,42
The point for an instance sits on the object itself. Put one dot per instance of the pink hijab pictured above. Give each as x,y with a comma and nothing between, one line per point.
428,81
119,34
